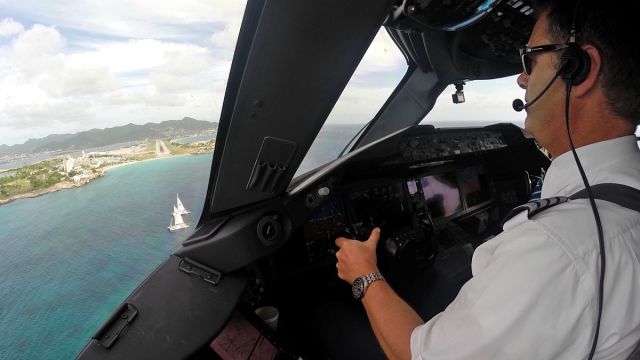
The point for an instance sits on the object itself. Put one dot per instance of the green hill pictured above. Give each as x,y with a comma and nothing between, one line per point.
103,137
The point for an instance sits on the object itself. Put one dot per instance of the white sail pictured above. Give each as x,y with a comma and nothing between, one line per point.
181,207
177,222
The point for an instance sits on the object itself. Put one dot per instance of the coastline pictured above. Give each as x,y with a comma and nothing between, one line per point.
70,185
51,189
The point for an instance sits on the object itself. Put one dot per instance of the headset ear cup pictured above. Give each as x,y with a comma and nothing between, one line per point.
575,64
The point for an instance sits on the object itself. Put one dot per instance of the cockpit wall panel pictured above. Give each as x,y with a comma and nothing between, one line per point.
285,95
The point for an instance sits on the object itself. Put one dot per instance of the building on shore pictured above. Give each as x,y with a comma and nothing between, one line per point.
68,164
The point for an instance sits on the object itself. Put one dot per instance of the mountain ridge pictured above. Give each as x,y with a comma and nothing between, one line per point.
109,136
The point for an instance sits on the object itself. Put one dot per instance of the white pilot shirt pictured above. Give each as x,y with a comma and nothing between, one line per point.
534,289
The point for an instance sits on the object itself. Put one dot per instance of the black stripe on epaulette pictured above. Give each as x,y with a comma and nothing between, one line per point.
535,207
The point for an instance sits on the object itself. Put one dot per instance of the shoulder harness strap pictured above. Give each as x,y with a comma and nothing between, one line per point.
535,207
619,194
623,195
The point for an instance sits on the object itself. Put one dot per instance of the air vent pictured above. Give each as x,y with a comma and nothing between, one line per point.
271,165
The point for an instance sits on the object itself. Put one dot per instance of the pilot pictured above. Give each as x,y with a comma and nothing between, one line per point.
535,286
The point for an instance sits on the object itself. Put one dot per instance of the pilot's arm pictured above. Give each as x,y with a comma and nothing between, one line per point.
392,319
527,299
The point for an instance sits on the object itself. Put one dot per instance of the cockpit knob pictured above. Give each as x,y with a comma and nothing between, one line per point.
324,191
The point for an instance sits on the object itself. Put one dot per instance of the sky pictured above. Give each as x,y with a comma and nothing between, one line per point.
73,65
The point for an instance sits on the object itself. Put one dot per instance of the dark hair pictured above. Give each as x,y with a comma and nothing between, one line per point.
610,26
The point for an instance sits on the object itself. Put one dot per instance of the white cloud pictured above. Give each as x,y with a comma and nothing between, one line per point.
79,79
49,111
143,97
37,50
359,104
143,55
9,27
382,56
38,56
486,100
227,38
164,67
160,19
181,70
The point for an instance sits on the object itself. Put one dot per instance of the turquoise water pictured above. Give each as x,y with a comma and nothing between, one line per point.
69,258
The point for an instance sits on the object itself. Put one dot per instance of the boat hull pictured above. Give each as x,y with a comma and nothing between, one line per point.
178,227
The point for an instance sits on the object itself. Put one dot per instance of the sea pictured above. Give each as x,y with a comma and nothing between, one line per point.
69,258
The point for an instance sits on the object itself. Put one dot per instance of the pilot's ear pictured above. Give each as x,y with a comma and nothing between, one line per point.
592,79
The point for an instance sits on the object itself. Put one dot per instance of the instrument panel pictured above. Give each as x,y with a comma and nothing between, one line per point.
428,189
401,207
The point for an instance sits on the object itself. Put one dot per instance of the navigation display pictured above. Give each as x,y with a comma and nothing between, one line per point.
441,194
412,187
474,185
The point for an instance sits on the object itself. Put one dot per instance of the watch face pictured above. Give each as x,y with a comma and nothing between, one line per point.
357,288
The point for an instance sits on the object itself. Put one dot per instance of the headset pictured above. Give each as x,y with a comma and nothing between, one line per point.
574,68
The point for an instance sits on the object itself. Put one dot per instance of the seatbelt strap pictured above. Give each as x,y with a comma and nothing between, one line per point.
619,194
623,195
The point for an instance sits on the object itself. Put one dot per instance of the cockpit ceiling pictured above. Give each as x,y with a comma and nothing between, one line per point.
485,49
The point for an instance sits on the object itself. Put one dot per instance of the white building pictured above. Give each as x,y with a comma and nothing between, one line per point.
68,164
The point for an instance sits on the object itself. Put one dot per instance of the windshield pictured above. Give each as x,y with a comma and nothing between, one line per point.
486,102
377,75
109,115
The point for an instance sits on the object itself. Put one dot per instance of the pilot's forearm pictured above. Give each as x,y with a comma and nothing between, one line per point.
391,318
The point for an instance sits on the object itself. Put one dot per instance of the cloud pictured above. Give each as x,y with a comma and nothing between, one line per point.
143,55
359,104
37,50
486,100
9,27
143,97
382,56
79,79
120,62
227,38
38,56
39,113
162,19
181,70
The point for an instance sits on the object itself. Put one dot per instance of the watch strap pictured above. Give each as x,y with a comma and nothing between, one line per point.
370,279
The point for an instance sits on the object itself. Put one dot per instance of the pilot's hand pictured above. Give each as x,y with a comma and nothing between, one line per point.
357,258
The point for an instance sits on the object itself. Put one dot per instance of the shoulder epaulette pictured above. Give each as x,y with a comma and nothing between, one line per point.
534,207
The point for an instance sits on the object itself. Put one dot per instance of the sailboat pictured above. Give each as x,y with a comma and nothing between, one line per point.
181,207
177,222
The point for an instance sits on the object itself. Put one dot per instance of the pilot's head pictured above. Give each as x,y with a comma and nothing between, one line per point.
605,97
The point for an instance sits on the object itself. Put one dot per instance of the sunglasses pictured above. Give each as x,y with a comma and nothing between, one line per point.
527,52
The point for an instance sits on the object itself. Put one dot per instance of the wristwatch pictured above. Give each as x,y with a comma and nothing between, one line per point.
360,285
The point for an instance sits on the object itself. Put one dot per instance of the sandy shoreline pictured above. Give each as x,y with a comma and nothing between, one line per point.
70,185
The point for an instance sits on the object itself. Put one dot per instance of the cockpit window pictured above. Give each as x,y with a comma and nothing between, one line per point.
486,102
379,72
109,117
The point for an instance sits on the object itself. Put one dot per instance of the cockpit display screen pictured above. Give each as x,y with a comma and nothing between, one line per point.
412,187
474,185
441,194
